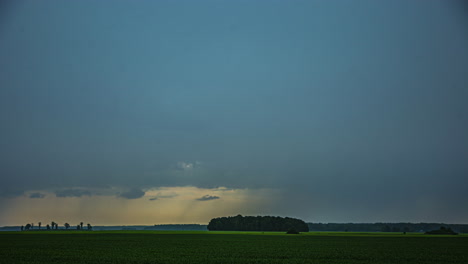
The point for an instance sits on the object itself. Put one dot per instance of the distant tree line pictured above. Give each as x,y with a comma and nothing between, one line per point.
386,227
182,227
442,231
53,226
257,223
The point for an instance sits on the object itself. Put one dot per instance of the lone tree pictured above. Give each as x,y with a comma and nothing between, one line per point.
27,227
39,224
81,225
67,225
90,227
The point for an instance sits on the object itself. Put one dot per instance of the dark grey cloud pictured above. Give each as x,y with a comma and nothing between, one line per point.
153,198
37,195
207,198
72,193
132,194
252,103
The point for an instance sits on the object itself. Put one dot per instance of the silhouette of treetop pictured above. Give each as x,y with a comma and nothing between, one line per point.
257,223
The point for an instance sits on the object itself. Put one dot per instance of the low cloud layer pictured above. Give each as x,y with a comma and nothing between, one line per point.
163,195
182,208
36,195
132,194
207,198
72,193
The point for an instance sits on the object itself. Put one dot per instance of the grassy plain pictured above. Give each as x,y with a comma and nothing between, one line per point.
229,247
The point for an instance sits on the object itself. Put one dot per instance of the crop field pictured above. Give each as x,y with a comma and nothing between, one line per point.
229,247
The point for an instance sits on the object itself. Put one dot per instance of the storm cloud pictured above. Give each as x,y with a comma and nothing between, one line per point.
354,108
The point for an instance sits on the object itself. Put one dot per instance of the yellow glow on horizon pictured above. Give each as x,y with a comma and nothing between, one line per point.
174,205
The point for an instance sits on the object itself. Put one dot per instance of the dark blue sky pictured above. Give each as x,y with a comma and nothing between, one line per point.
350,110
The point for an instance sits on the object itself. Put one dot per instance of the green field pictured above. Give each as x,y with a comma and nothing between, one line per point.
228,247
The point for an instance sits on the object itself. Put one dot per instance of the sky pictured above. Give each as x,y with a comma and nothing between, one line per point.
151,112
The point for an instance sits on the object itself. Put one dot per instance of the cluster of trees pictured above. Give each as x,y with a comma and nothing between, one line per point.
385,227
257,223
55,226
442,231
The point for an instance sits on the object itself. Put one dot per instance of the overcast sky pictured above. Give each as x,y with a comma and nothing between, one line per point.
180,111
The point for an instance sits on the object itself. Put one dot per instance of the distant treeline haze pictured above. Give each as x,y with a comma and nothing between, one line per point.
181,227
341,227
386,227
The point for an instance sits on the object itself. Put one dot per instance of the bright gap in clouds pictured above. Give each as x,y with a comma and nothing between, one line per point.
175,205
